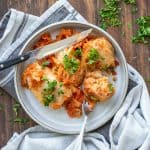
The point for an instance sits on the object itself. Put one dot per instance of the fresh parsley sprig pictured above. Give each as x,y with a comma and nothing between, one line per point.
17,118
70,64
20,120
45,64
94,56
78,53
47,92
111,87
133,2
143,33
147,80
109,15
16,108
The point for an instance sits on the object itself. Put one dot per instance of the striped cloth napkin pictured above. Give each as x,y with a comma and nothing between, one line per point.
130,127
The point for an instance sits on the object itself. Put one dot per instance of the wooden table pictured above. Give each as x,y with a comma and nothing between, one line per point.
136,54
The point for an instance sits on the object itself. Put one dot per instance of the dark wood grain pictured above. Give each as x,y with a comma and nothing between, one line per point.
136,54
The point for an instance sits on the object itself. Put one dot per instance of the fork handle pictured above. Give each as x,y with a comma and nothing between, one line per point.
8,63
83,126
77,143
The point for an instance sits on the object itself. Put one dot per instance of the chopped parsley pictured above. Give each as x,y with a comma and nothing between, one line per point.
48,99
47,92
60,84
143,33
105,67
123,34
16,108
60,91
133,2
44,78
45,64
93,56
129,25
78,52
51,85
70,64
134,9
20,120
93,98
109,15
111,87
148,80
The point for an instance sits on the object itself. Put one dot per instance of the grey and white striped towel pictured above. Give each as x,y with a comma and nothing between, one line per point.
130,128
16,27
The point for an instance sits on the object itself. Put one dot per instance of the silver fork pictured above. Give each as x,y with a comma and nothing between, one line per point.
77,143
86,110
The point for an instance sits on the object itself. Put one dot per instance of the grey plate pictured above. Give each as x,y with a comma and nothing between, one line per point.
58,120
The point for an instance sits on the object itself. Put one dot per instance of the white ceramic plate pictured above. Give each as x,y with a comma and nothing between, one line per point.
58,120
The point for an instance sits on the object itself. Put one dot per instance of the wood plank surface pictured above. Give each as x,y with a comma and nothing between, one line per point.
136,54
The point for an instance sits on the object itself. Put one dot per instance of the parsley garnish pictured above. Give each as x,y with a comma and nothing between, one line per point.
47,92
48,99
109,15
70,64
105,67
129,25
93,98
143,33
51,85
133,3
148,80
111,87
60,91
20,120
123,34
45,64
16,108
93,56
44,78
78,52
60,84
134,9
130,2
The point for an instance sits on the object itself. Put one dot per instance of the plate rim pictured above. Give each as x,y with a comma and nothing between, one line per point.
105,120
